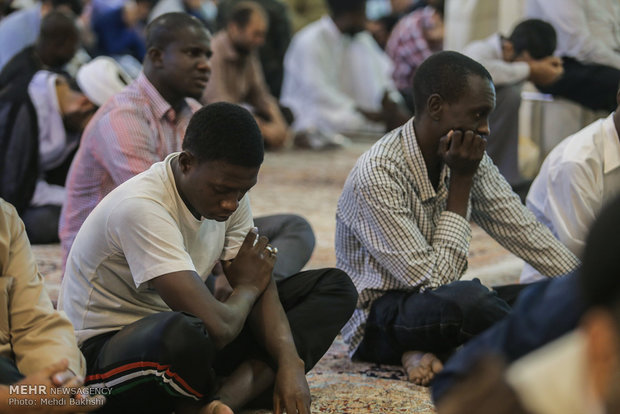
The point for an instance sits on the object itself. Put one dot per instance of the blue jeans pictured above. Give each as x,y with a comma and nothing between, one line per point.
545,311
437,320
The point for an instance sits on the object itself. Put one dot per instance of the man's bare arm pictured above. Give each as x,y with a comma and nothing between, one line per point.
271,326
248,275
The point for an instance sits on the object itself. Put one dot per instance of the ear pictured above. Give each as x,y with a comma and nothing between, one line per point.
602,348
434,106
155,55
186,161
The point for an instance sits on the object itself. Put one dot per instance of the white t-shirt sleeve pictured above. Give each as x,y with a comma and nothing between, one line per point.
150,239
237,227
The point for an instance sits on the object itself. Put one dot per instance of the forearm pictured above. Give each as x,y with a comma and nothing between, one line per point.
236,309
458,195
270,324
186,292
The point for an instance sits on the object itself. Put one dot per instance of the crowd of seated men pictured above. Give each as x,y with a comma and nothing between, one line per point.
131,132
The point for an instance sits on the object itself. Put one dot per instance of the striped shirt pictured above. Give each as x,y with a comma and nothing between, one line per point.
133,130
408,47
393,231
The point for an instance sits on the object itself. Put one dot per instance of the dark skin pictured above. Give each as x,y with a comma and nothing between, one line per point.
181,68
452,134
213,189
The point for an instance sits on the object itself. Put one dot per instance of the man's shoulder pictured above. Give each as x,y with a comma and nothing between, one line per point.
131,103
386,155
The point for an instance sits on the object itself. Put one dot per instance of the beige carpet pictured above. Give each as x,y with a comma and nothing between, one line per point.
309,184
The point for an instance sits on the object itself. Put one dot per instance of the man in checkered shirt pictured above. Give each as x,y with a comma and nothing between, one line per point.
403,233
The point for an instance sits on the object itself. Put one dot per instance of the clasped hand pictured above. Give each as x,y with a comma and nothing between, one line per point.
462,151
254,263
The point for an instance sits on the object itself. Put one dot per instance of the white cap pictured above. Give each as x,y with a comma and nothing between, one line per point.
101,78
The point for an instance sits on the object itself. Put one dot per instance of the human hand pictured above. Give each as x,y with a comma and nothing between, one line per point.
483,391
253,265
45,400
291,392
545,71
462,151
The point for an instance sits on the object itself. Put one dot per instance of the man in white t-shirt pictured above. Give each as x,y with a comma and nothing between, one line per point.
150,329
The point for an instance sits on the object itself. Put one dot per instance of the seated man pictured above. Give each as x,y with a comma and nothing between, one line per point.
41,131
577,373
525,55
123,139
37,344
118,30
55,46
337,78
579,176
402,229
415,37
21,28
589,45
236,73
134,288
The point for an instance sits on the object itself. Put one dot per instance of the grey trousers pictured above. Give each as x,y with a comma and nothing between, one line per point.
503,142
293,237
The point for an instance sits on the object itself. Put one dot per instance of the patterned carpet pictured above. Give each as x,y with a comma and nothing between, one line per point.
309,184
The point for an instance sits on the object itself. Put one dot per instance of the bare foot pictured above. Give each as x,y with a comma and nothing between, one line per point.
216,407
421,367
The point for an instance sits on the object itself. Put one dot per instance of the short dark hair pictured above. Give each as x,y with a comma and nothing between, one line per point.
56,27
600,273
162,31
76,6
242,11
340,7
445,73
534,36
224,131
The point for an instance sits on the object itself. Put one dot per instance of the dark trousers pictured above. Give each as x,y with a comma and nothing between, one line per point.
41,224
294,238
436,321
9,374
544,311
149,365
593,86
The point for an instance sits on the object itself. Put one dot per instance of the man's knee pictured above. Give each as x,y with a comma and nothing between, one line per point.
300,227
338,284
480,306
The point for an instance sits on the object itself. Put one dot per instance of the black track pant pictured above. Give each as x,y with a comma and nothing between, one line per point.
150,364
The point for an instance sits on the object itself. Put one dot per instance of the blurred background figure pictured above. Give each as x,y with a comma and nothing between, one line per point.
337,78
304,12
203,10
589,44
54,47
120,34
415,37
102,78
21,28
236,73
525,55
41,132
277,38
